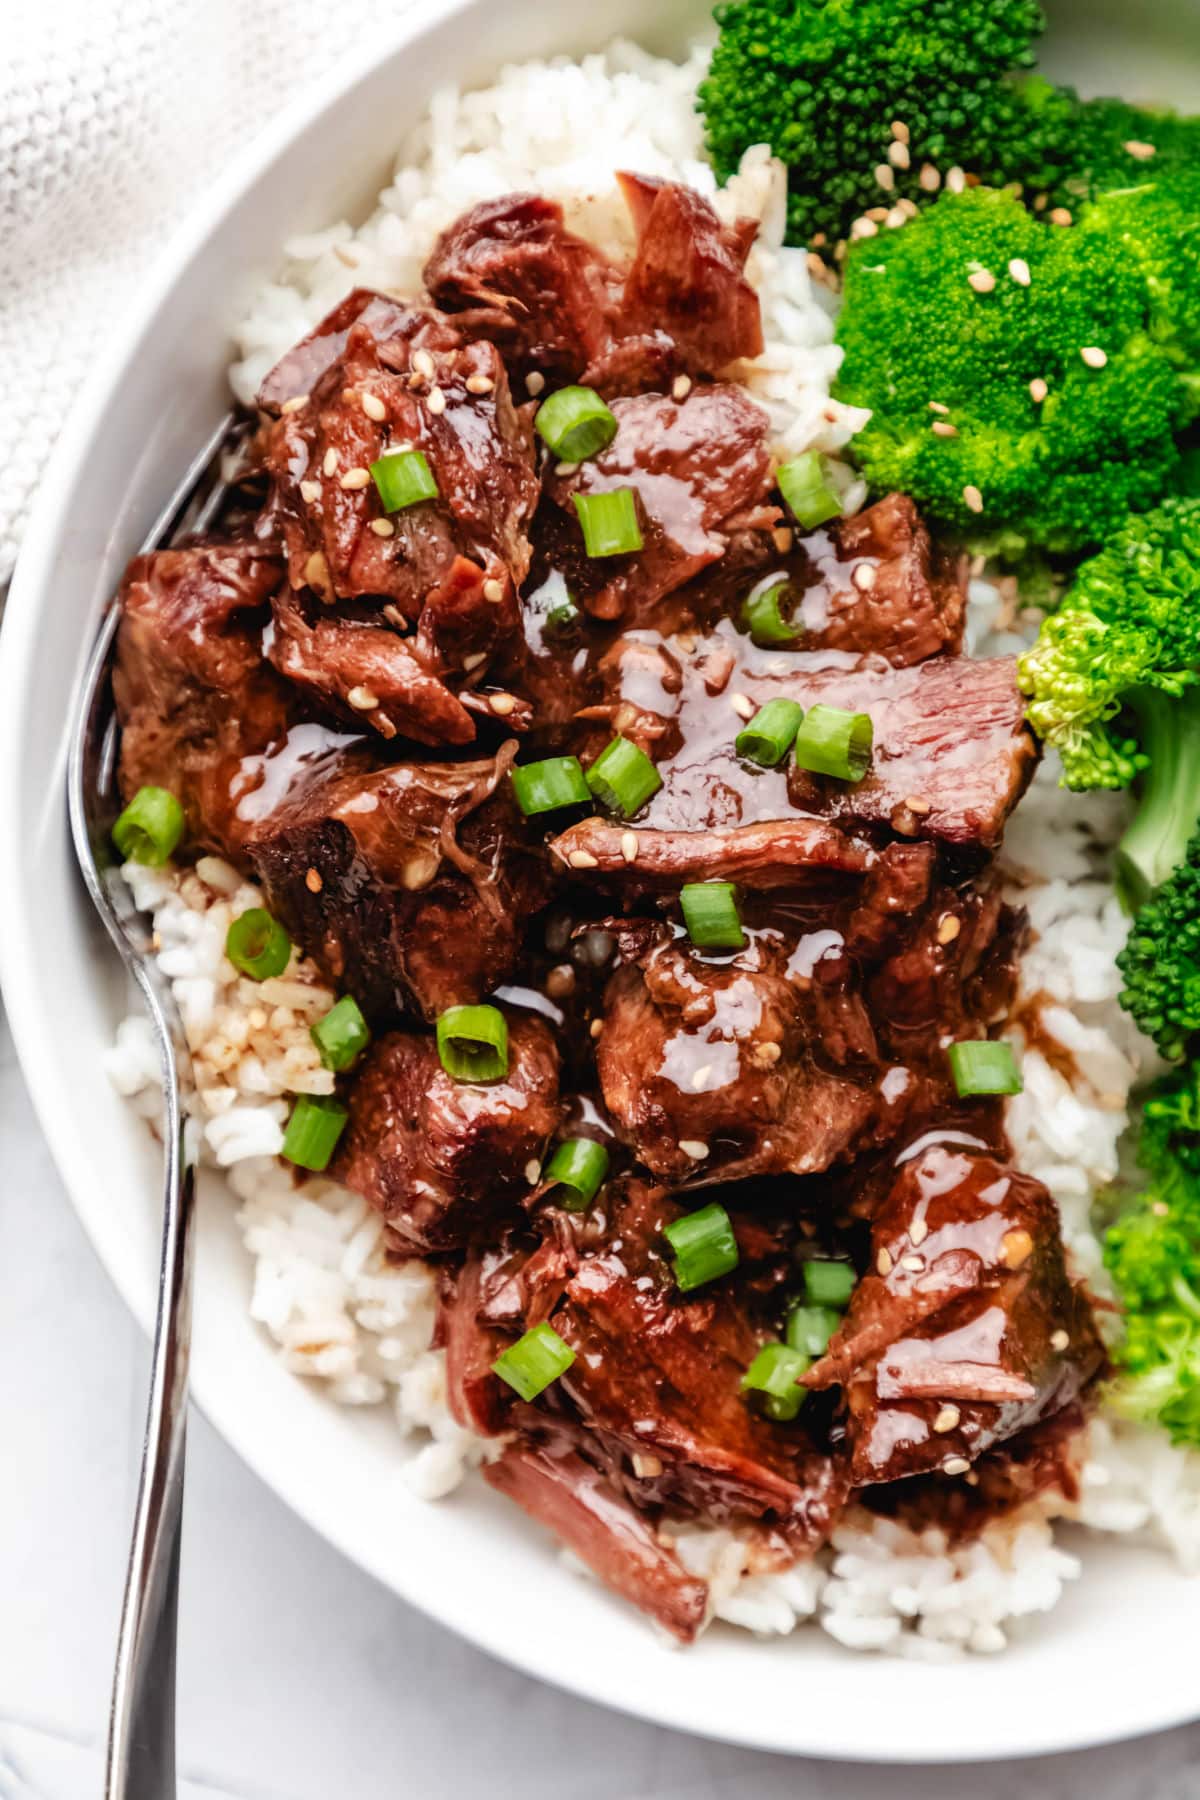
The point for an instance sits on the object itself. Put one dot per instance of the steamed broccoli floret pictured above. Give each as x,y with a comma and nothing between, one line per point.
822,82
946,367
1153,1254
1161,960
1114,684
1069,149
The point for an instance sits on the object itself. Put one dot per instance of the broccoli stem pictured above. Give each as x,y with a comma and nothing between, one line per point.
1168,793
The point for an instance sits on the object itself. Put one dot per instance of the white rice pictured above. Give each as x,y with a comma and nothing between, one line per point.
339,1312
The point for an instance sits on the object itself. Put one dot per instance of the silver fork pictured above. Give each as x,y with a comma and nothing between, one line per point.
141,1732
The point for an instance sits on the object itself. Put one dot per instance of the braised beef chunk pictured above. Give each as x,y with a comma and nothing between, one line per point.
968,1328
700,470
297,372
657,1379
874,586
574,1501
404,881
686,279
192,690
443,1160
447,566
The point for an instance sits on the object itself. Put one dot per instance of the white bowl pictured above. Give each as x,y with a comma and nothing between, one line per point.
1113,1660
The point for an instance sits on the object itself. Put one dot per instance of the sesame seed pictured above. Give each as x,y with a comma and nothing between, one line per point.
681,387
899,131
908,207
395,617
956,181
329,466
1160,1209
1018,268
701,1075
533,1171
938,406
646,1467
956,1465
355,478
972,498
582,859
898,154
982,280
362,699
765,1056
422,362
943,428
914,1264
878,213
930,179
374,408
316,573
313,882
696,1148
1093,356
493,590
502,704
476,661
781,537
816,266
1038,390
883,1262
1059,215
917,803
864,577
949,929
1135,147
480,384
947,1418
310,491
885,175
918,1231
436,401
1059,1340
534,383
629,846
895,218
1017,1248
566,468
596,1027
294,404
863,228
743,705
383,527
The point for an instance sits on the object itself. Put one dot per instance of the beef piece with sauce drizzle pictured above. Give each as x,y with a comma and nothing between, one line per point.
445,570
967,1329
444,1160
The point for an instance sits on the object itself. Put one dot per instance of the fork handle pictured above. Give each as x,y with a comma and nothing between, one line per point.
141,1733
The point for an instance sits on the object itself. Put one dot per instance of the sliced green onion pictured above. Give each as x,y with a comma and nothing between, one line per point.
711,915
542,787
258,945
832,742
809,1328
763,618
403,478
623,777
316,1124
575,424
804,487
534,1361
342,1035
579,1166
704,1246
150,827
984,1066
609,522
472,1042
563,618
769,735
828,1283
774,1374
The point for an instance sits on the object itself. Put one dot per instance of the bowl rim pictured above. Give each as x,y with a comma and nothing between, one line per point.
33,1042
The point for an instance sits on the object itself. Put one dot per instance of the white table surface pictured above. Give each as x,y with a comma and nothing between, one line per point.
300,1679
